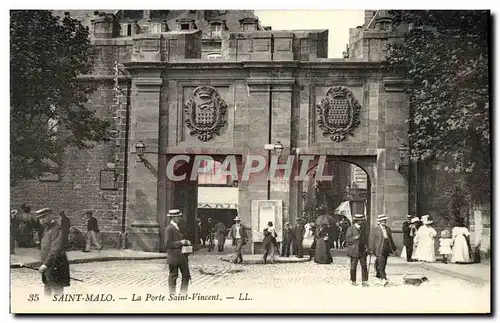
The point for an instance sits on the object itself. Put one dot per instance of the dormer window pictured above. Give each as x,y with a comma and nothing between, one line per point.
249,24
186,24
216,30
157,27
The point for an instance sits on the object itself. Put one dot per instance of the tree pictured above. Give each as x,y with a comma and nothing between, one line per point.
445,55
47,103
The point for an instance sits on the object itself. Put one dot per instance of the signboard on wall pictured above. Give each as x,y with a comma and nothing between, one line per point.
264,211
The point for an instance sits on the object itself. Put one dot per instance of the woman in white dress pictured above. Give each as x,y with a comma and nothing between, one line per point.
425,241
460,250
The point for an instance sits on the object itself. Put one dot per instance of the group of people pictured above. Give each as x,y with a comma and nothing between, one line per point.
26,230
211,230
419,241
359,245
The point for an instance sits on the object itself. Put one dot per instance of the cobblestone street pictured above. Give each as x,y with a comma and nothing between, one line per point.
296,287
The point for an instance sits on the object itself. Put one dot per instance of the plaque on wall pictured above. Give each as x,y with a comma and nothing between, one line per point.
264,211
107,180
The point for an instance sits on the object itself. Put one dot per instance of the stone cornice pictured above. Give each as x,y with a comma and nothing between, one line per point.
396,84
340,64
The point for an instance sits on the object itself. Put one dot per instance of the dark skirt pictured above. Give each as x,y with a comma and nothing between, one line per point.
322,252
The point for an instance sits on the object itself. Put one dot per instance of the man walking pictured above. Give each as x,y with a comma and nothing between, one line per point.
238,234
176,259
407,238
287,240
220,231
92,232
357,248
55,265
298,238
381,246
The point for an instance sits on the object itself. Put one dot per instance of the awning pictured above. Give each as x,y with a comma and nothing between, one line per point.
345,210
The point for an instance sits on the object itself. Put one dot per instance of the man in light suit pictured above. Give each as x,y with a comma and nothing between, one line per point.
238,234
176,260
381,246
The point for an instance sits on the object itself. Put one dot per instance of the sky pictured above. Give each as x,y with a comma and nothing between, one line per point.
337,22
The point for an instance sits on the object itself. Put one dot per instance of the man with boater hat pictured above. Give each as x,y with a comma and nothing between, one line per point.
381,246
298,238
238,234
357,248
55,265
176,259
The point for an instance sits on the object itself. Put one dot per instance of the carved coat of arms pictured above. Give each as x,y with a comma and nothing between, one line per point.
338,113
205,113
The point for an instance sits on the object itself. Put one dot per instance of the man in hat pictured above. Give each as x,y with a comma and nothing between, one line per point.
407,239
238,234
55,265
381,246
92,232
357,248
176,260
298,238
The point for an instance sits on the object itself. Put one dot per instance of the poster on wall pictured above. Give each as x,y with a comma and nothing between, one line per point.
264,211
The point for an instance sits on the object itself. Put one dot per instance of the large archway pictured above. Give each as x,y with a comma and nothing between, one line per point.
349,191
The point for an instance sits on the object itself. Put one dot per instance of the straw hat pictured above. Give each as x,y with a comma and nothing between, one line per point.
43,212
174,212
237,218
358,217
415,220
381,217
14,212
409,216
427,221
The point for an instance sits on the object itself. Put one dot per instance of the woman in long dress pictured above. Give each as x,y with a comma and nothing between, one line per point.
425,241
460,250
322,254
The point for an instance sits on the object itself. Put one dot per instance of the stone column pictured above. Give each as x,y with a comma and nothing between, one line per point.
396,183
143,183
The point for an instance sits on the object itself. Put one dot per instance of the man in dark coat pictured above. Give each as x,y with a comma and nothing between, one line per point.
381,246
176,259
407,238
238,234
92,232
287,240
65,226
357,248
220,231
298,238
55,265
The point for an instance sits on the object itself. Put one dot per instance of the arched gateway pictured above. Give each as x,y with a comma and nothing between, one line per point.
270,87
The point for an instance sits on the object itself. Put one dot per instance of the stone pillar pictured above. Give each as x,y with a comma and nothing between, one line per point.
143,183
396,133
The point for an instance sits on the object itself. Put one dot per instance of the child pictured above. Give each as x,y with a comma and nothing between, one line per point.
445,243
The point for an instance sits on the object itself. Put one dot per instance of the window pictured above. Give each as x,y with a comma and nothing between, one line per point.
214,56
126,30
248,27
216,30
156,27
185,26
